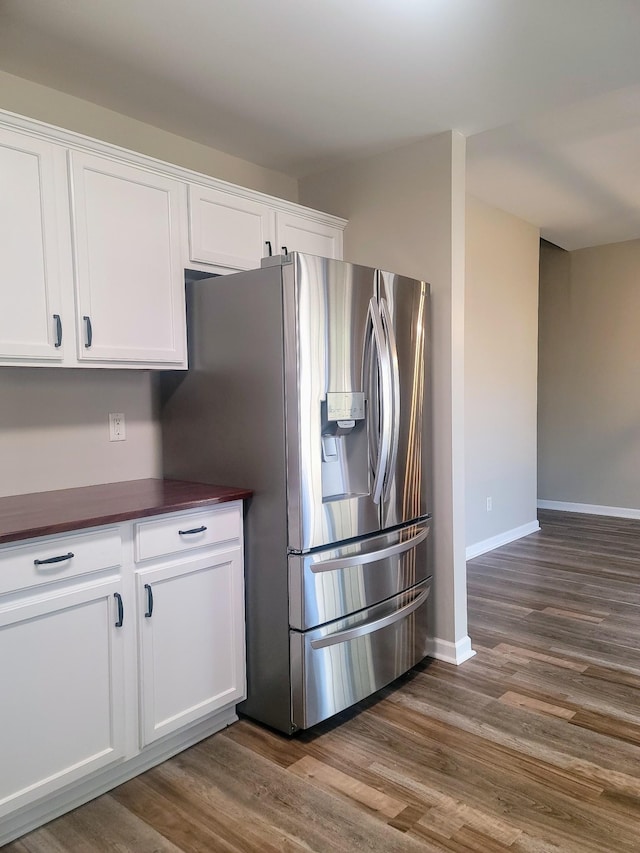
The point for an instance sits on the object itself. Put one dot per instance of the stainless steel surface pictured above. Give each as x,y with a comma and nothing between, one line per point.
408,489
330,584
308,383
326,315
332,676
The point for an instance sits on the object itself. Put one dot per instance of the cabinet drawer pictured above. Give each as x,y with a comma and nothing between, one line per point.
175,534
46,560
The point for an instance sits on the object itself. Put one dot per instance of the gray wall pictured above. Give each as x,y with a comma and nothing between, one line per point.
54,430
589,403
57,108
406,213
501,339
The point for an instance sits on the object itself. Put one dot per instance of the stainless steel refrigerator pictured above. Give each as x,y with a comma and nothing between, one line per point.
309,383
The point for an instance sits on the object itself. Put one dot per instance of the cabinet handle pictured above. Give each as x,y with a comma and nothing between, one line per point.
87,321
268,245
118,598
285,251
58,342
149,610
193,530
59,559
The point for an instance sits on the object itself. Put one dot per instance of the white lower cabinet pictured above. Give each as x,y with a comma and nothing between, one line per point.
108,667
62,711
191,634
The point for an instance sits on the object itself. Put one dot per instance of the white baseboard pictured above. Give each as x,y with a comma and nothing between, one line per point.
448,652
591,509
502,539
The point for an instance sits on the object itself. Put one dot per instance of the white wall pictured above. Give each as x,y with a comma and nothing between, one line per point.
501,344
406,213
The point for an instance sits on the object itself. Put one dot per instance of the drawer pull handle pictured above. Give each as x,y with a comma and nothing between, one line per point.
58,342
89,329
118,598
59,559
193,530
149,609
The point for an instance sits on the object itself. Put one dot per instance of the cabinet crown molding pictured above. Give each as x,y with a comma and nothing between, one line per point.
81,142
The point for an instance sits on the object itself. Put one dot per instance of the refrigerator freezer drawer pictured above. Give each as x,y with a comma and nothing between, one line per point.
330,584
341,663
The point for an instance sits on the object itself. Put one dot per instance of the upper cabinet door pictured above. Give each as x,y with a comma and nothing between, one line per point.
128,253
300,234
31,321
227,230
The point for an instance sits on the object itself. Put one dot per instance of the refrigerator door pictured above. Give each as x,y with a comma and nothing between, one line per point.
331,584
344,661
405,312
329,412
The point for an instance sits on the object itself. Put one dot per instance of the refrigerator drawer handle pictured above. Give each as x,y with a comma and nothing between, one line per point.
370,627
359,559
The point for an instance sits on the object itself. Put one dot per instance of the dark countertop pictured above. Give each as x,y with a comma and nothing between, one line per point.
45,513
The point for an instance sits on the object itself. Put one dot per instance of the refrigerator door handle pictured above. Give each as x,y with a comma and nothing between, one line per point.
359,559
384,360
395,396
370,627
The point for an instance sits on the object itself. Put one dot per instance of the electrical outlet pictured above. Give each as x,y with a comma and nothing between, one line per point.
489,504
116,427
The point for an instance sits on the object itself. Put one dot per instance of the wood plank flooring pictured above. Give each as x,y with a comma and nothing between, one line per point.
532,746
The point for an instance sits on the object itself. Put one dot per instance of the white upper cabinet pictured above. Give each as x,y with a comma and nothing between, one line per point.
297,233
32,322
129,268
227,230
94,241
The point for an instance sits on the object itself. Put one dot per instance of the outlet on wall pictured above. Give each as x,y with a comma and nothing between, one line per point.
489,504
116,427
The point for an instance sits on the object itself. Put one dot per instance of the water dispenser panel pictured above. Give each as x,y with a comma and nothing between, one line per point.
345,405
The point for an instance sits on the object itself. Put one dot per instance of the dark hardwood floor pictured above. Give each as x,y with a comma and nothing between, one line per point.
533,745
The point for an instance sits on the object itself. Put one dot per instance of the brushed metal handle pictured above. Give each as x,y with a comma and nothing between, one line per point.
372,556
89,329
385,399
193,530
59,559
58,342
370,627
395,395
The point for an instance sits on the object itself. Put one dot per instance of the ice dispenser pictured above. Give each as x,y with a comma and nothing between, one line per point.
344,445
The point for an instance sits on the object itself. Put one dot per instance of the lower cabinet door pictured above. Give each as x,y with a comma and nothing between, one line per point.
191,633
62,707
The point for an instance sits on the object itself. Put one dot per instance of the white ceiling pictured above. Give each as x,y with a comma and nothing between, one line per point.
547,91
